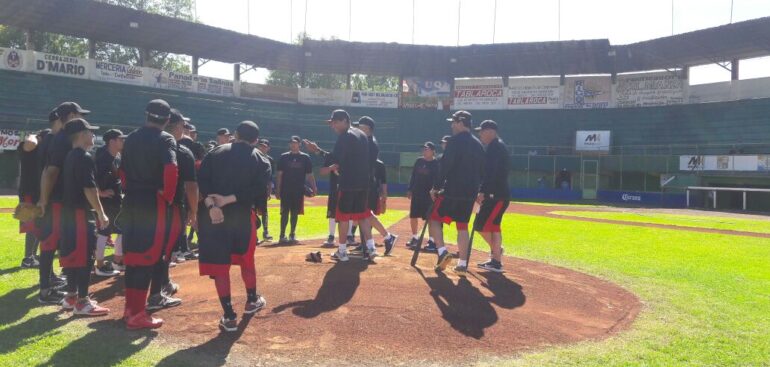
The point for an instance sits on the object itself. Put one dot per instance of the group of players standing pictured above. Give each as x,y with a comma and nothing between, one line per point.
147,186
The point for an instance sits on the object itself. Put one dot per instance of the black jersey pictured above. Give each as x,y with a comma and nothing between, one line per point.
496,167
146,153
294,168
107,177
30,169
424,174
79,173
233,169
57,151
462,166
186,163
351,152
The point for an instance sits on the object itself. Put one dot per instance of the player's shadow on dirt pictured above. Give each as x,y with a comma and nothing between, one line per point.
275,244
211,353
339,285
15,304
115,286
108,344
507,293
463,305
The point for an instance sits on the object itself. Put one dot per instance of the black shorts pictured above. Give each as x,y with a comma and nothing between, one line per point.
448,210
353,205
375,204
111,209
331,205
78,241
418,207
293,203
144,219
261,206
490,215
225,244
49,227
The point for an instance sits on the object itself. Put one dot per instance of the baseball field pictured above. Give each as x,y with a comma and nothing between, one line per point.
584,285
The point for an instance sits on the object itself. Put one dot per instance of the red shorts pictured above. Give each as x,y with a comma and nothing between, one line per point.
490,215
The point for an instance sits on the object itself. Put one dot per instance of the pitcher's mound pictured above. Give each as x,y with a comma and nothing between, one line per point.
388,312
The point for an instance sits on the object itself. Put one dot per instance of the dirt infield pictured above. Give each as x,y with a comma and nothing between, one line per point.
357,313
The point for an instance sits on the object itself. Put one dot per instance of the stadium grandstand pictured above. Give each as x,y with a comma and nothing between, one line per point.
621,120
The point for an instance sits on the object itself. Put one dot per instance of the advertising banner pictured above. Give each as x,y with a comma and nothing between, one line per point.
485,93
61,65
270,92
323,97
10,139
116,73
426,93
592,141
649,89
533,93
12,59
587,92
373,99
219,87
745,163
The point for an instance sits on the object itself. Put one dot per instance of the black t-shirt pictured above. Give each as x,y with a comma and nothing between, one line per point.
333,185
43,144
462,167
186,163
424,174
107,177
79,173
380,174
496,167
294,167
57,152
145,153
234,169
374,153
351,152
29,172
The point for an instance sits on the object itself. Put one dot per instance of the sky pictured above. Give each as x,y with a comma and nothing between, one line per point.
435,22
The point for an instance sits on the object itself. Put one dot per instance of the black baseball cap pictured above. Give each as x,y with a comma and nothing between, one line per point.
429,145
247,130
366,121
339,115
158,109
67,108
78,125
445,138
487,124
189,127
112,134
462,116
264,142
176,116
224,131
295,139
53,116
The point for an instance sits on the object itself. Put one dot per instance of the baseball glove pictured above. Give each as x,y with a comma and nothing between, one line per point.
314,257
26,212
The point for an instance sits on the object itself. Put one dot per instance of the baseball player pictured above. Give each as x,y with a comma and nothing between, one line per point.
51,181
111,197
331,203
424,173
80,198
294,169
227,178
264,147
494,195
150,172
29,189
455,191
223,136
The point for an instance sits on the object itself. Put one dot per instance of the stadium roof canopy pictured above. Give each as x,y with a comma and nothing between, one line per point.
109,23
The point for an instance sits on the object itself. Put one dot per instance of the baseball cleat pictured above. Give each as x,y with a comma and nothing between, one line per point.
329,241
340,256
390,244
143,321
90,308
443,261
69,302
228,324
106,270
461,270
159,301
253,307
50,297
491,265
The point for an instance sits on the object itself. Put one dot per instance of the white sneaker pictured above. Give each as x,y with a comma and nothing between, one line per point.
118,267
179,257
336,255
106,271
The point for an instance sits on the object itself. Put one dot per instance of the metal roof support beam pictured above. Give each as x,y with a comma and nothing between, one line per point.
735,67
348,82
195,65
91,49
236,72
144,56
29,42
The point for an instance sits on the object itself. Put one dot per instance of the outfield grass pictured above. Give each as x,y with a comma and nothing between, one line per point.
8,202
697,221
706,296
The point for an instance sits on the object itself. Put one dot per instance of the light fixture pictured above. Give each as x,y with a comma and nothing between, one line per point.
453,60
308,54
133,24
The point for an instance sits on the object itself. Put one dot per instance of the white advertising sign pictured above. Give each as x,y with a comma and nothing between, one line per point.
649,89
746,163
10,139
533,93
60,65
587,92
592,141
116,73
485,93
12,59
323,97
373,99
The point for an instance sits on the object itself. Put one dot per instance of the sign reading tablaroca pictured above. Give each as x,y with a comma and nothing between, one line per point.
533,93
592,141
484,93
649,89
374,99
60,65
117,73
10,139
587,92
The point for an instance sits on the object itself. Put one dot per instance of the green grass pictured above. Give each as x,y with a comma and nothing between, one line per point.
8,202
697,221
706,299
